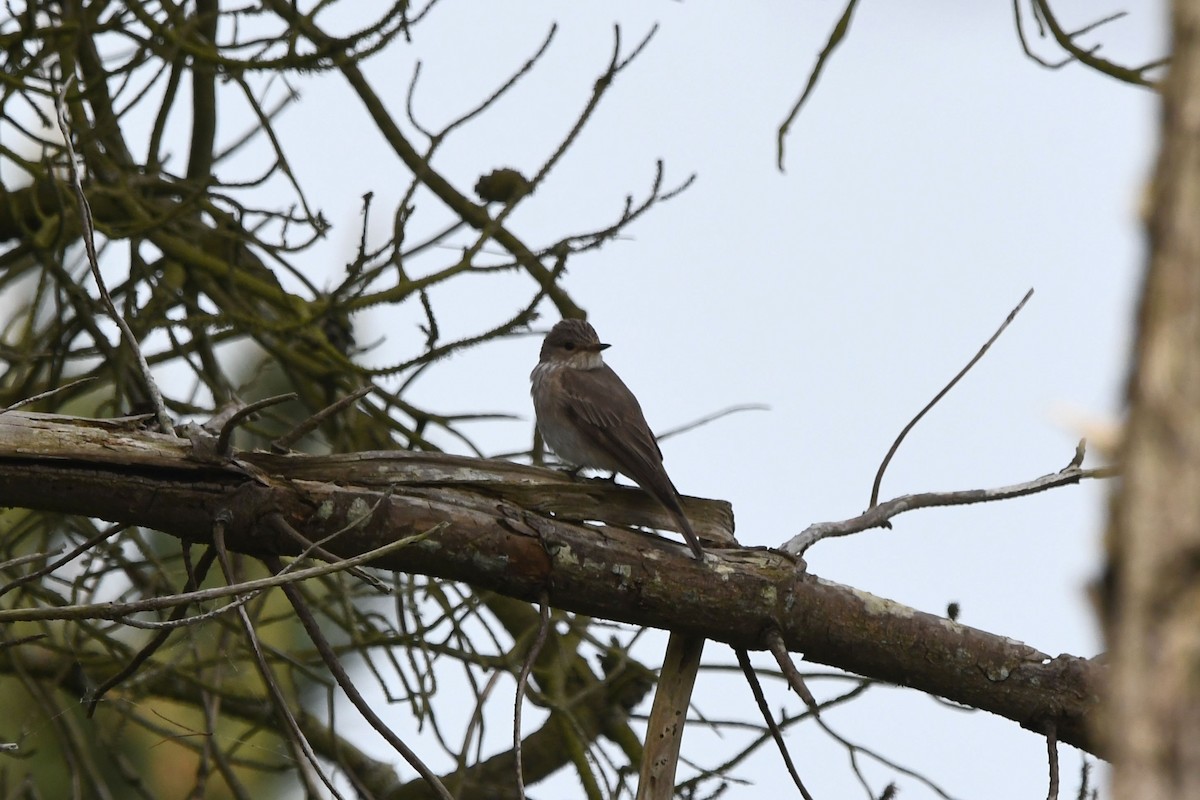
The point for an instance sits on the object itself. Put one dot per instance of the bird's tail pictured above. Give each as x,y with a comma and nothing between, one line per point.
661,488
693,540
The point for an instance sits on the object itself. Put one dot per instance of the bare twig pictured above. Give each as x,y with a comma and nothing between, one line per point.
1016,9
761,701
277,520
879,515
242,413
1052,756
177,620
304,613
583,242
778,649
487,102
48,393
25,559
180,621
89,243
33,637
471,213
896,444
729,765
1066,40
854,749
122,610
294,735
1085,790
713,417
522,678
835,38
195,577
88,544
285,442
493,227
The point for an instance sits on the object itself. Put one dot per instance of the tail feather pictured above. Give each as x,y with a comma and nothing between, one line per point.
654,480
672,503
689,534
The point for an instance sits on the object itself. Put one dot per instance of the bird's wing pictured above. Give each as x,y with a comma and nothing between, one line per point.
617,427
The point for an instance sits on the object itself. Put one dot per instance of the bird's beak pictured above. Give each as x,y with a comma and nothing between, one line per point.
596,348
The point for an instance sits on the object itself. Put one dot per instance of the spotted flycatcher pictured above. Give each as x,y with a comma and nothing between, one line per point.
589,418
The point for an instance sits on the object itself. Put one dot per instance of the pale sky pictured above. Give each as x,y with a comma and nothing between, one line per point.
935,175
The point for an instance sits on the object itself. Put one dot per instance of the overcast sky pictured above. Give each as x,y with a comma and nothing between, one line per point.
934,177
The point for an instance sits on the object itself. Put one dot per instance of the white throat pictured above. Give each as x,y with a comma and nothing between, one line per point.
586,360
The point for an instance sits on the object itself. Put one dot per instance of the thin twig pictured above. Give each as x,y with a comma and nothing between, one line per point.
1052,755
89,243
879,515
25,559
242,413
1085,790
296,738
315,548
188,622
522,678
195,577
729,765
1016,9
76,551
778,649
713,417
121,610
285,442
49,392
854,749
1066,41
33,637
896,444
835,38
329,656
760,699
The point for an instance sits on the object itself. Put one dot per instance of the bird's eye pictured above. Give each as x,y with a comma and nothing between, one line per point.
568,345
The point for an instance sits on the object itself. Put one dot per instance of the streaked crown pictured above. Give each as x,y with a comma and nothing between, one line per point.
572,340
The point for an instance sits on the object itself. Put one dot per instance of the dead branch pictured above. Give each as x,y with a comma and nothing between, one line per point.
510,528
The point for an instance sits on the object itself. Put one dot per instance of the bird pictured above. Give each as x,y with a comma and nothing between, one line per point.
590,418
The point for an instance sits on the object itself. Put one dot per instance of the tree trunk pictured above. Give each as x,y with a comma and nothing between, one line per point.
1153,601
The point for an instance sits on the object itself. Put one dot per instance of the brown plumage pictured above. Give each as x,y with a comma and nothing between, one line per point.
588,416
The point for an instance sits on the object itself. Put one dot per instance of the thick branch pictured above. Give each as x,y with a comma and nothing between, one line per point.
501,536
